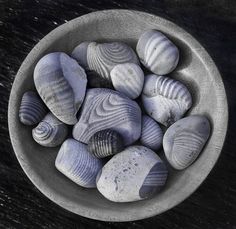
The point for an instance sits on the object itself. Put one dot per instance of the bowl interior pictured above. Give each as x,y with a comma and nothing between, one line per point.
195,69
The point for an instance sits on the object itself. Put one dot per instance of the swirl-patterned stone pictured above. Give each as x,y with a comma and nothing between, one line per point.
78,164
166,100
61,83
32,109
151,134
105,143
108,109
133,174
157,52
50,131
103,57
185,139
128,79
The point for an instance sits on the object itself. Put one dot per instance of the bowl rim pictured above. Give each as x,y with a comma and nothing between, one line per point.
57,32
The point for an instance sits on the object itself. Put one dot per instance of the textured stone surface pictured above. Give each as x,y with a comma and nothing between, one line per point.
22,205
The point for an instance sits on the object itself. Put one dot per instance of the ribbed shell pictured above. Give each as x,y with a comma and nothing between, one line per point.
61,83
151,134
133,174
105,143
157,53
50,131
128,79
32,109
96,81
75,162
107,109
185,139
165,99
80,53
102,58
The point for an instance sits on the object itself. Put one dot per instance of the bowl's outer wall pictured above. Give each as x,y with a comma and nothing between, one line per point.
196,69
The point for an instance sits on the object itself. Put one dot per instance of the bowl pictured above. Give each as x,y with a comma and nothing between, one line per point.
196,69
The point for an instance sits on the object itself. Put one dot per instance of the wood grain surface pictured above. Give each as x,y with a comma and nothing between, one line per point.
24,22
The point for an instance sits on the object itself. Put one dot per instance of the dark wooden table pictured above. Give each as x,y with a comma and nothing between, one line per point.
24,22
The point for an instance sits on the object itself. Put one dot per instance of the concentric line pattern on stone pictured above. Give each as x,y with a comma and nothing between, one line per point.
103,57
165,99
108,109
185,139
151,134
154,181
75,162
61,83
105,143
32,109
128,78
157,53
50,131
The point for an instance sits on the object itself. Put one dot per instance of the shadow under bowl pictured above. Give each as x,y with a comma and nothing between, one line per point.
196,70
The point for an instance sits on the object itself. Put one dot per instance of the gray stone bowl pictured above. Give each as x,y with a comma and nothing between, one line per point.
196,69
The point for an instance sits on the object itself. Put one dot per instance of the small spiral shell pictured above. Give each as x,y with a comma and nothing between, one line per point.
165,99
50,131
102,58
75,162
105,143
185,139
157,53
32,108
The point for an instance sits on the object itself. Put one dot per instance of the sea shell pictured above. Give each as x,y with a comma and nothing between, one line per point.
75,162
165,99
151,134
157,53
133,174
128,78
50,131
105,143
184,140
32,108
102,58
80,54
108,109
96,81
61,83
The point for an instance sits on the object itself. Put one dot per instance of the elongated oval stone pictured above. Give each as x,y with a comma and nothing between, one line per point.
108,109
50,131
105,143
157,53
32,108
185,139
128,79
151,134
102,58
61,83
75,162
133,174
165,99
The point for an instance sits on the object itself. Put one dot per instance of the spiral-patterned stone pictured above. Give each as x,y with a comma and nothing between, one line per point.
32,109
108,109
50,131
151,134
157,53
102,58
128,79
133,174
78,164
165,99
61,83
105,143
185,139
